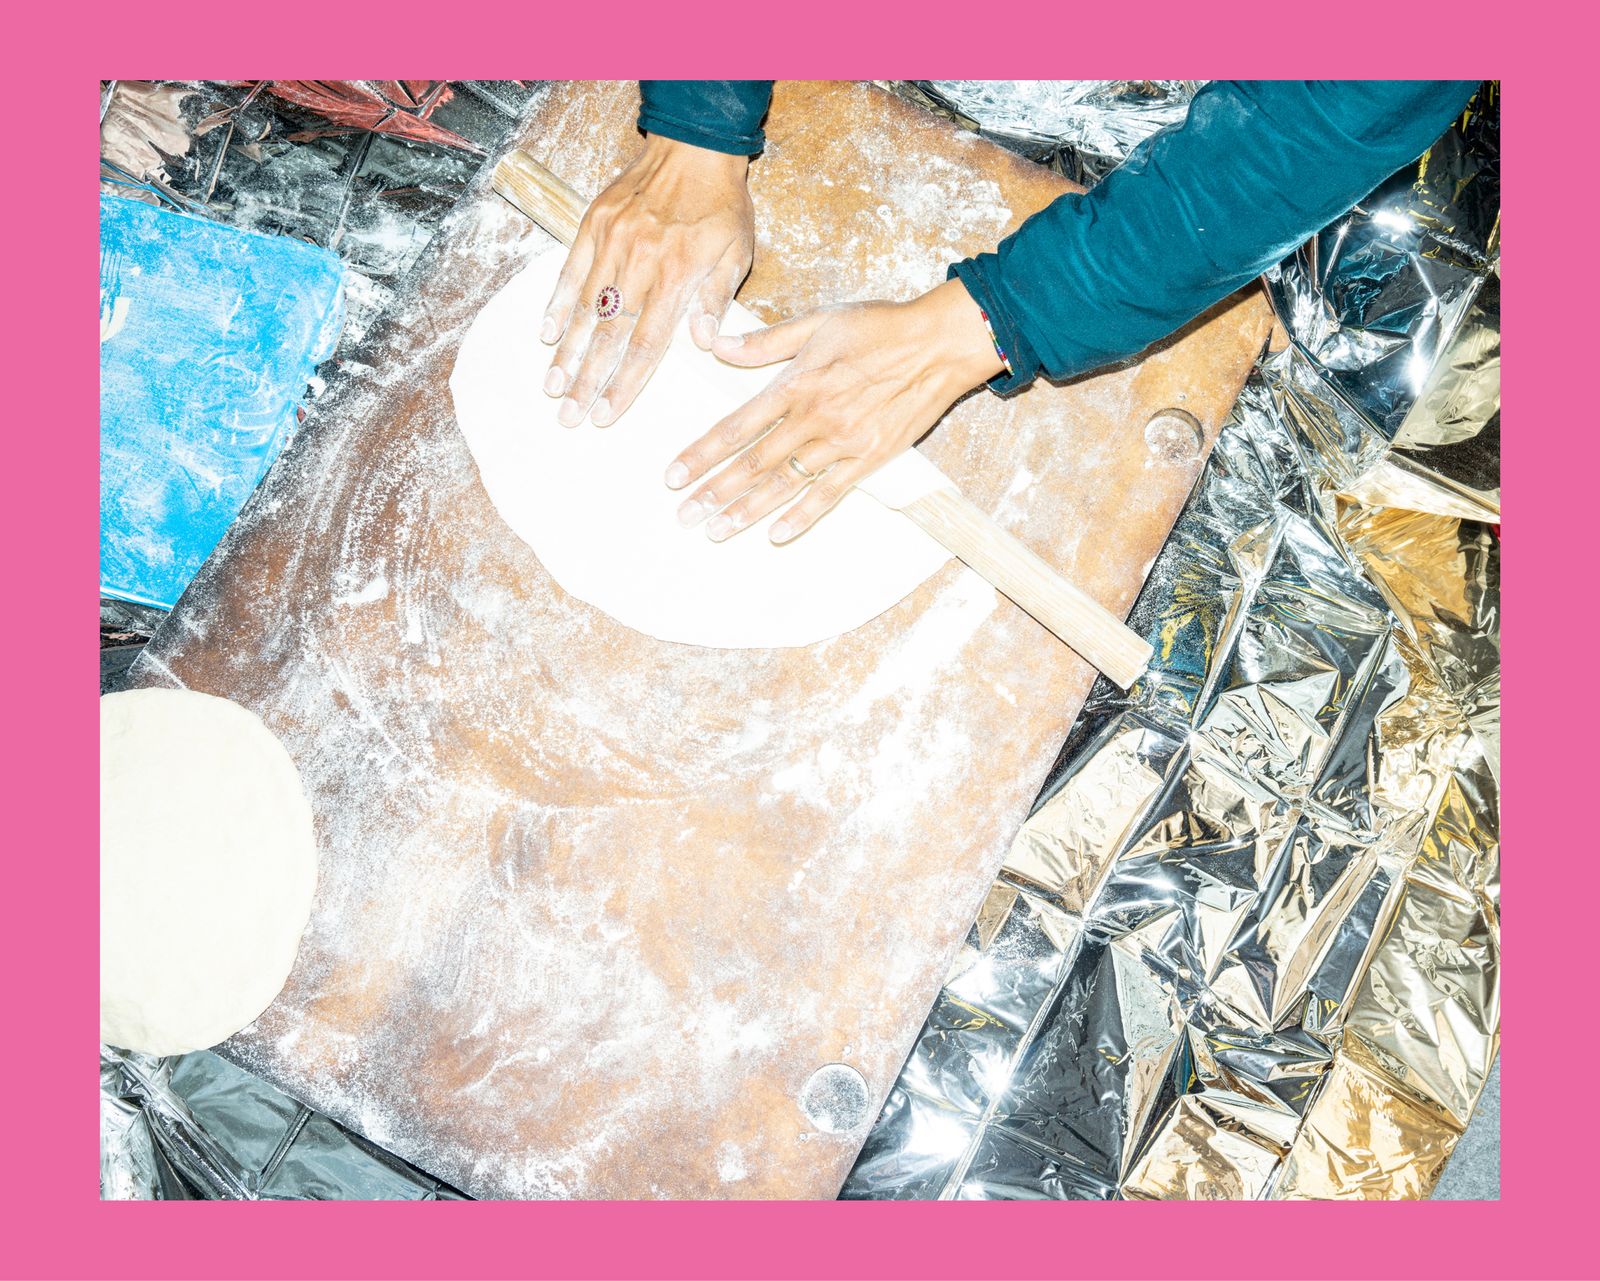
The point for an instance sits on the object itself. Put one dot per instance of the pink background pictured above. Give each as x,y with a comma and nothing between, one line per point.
57,1226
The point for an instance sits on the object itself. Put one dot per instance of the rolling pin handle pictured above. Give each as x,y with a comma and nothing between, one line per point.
537,192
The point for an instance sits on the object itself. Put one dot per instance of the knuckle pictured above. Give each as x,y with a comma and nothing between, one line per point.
643,354
588,377
618,394
674,270
828,491
751,461
641,258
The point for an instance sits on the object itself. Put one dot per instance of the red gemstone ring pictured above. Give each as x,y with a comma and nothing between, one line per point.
608,305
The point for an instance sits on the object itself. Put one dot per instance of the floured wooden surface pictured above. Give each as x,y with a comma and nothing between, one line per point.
594,907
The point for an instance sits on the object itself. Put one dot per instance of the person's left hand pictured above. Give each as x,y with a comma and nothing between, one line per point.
866,382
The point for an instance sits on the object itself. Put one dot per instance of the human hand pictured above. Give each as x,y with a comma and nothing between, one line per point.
866,382
673,233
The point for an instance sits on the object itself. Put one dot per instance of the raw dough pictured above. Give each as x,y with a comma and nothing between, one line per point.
592,505
207,868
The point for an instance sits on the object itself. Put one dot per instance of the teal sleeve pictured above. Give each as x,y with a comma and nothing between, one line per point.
1194,213
720,115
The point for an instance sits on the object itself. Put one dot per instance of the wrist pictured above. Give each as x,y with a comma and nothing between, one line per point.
670,151
964,346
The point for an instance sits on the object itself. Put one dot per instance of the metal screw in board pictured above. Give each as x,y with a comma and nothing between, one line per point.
1174,436
835,1099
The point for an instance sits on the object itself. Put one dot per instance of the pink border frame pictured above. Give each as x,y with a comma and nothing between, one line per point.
49,1195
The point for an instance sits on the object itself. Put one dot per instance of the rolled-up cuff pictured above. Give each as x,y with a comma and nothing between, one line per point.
697,135
1024,363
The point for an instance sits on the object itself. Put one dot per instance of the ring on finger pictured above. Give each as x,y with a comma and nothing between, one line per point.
801,470
608,304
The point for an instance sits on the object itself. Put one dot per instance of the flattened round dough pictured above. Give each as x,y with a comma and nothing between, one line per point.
207,868
592,505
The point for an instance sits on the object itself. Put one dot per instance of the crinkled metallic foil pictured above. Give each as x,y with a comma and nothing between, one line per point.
196,1127
1083,129
1398,305
1248,943
1364,1140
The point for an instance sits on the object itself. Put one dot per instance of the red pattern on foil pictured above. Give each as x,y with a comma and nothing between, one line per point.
397,107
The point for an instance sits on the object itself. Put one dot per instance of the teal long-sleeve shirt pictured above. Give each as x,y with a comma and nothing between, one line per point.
1192,214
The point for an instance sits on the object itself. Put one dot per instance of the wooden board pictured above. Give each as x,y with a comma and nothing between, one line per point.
593,908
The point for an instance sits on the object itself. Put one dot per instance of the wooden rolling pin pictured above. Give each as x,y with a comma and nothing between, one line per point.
970,534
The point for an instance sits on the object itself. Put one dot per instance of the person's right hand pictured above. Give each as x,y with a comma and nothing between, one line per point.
674,233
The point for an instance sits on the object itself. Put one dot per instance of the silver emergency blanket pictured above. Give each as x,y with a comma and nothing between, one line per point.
1083,129
1247,945
196,1127
1398,304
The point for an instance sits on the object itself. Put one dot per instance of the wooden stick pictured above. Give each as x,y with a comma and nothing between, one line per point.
967,532
1015,571
541,195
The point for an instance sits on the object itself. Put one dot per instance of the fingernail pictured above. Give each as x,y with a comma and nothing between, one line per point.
732,340
780,533
690,512
600,413
719,528
570,414
547,331
555,381
705,329
677,476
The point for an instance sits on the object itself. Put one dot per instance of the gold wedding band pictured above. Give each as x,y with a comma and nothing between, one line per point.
800,469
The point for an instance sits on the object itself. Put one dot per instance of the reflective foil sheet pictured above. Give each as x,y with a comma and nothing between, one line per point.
1083,129
1247,945
1398,305
195,1127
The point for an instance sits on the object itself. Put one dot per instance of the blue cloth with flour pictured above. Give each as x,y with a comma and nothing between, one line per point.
208,338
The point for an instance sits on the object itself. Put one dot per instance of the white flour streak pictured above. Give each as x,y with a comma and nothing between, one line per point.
730,1163
930,645
374,591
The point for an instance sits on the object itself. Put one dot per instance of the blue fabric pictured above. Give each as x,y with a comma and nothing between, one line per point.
720,115
209,336
1194,213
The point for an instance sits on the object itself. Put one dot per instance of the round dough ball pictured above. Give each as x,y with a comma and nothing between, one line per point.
207,867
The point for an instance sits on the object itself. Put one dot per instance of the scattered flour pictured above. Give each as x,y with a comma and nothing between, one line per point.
730,1163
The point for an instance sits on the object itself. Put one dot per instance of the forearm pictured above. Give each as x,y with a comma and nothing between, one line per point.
1195,213
719,115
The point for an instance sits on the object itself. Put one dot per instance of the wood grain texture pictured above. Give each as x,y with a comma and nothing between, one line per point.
540,194
593,907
